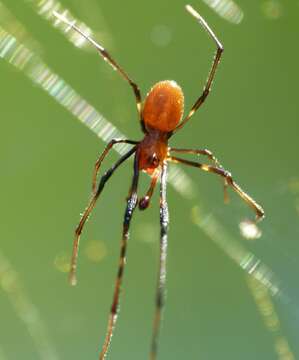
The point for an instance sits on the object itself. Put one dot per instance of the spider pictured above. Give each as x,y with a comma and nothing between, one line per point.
160,118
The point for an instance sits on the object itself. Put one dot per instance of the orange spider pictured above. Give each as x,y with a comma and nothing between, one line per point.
160,118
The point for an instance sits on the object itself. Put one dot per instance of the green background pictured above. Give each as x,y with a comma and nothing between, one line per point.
250,121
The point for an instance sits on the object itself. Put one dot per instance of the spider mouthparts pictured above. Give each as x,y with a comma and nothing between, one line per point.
144,203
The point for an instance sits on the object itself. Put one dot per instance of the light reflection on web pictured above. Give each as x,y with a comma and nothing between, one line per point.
45,9
24,59
261,280
227,9
266,307
250,263
11,284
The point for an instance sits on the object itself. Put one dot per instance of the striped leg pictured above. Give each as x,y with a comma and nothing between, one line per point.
98,164
211,156
228,178
88,210
208,85
204,152
107,57
164,221
131,205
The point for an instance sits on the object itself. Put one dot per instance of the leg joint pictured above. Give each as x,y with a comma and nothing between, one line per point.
228,176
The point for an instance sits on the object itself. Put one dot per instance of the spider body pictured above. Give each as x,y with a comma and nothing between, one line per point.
162,112
160,119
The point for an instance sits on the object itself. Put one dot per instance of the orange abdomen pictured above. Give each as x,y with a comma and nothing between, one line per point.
163,106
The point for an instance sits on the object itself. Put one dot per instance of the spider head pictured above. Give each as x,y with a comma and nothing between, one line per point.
152,150
149,161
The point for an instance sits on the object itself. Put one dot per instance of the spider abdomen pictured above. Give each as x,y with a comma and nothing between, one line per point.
163,106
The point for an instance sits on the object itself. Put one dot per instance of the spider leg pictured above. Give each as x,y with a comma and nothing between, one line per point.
107,57
212,72
145,201
160,294
204,152
103,155
229,180
211,156
88,210
131,205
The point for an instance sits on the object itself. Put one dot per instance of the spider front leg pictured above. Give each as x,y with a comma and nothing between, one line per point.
212,72
98,163
204,152
160,294
131,205
87,212
228,178
211,156
107,57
